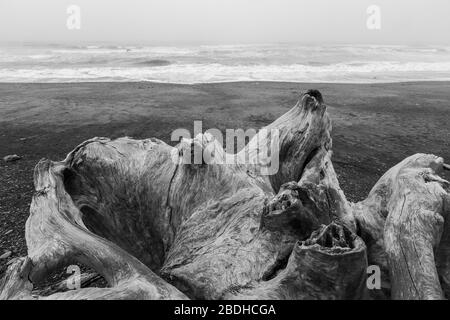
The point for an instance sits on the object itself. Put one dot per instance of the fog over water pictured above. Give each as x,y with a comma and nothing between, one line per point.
227,21
197,41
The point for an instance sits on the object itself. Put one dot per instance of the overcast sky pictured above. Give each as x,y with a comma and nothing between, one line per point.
227,21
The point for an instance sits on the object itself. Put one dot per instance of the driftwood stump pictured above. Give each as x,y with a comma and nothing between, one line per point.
156,226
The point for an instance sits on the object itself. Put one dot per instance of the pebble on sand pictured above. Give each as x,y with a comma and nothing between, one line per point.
12,158
5,255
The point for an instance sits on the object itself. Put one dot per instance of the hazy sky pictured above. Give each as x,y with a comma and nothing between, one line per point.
227,21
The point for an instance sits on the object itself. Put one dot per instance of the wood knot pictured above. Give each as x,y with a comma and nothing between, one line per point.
315,94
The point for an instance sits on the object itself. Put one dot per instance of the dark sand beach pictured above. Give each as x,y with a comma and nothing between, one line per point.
374,126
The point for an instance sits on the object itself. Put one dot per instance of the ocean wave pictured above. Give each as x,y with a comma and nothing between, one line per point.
223,63
154,63
376,71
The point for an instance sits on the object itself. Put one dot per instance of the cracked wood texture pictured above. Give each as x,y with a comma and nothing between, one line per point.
157,226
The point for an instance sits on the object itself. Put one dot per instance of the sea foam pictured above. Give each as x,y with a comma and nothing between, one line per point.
202,64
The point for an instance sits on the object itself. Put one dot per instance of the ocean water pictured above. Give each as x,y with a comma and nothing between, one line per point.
223,63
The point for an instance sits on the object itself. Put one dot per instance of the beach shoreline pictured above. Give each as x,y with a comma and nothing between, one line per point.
374,125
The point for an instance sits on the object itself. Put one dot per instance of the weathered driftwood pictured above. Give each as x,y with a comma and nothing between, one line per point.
157,226
402,221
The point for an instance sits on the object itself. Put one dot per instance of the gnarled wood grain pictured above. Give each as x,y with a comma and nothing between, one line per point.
157,226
